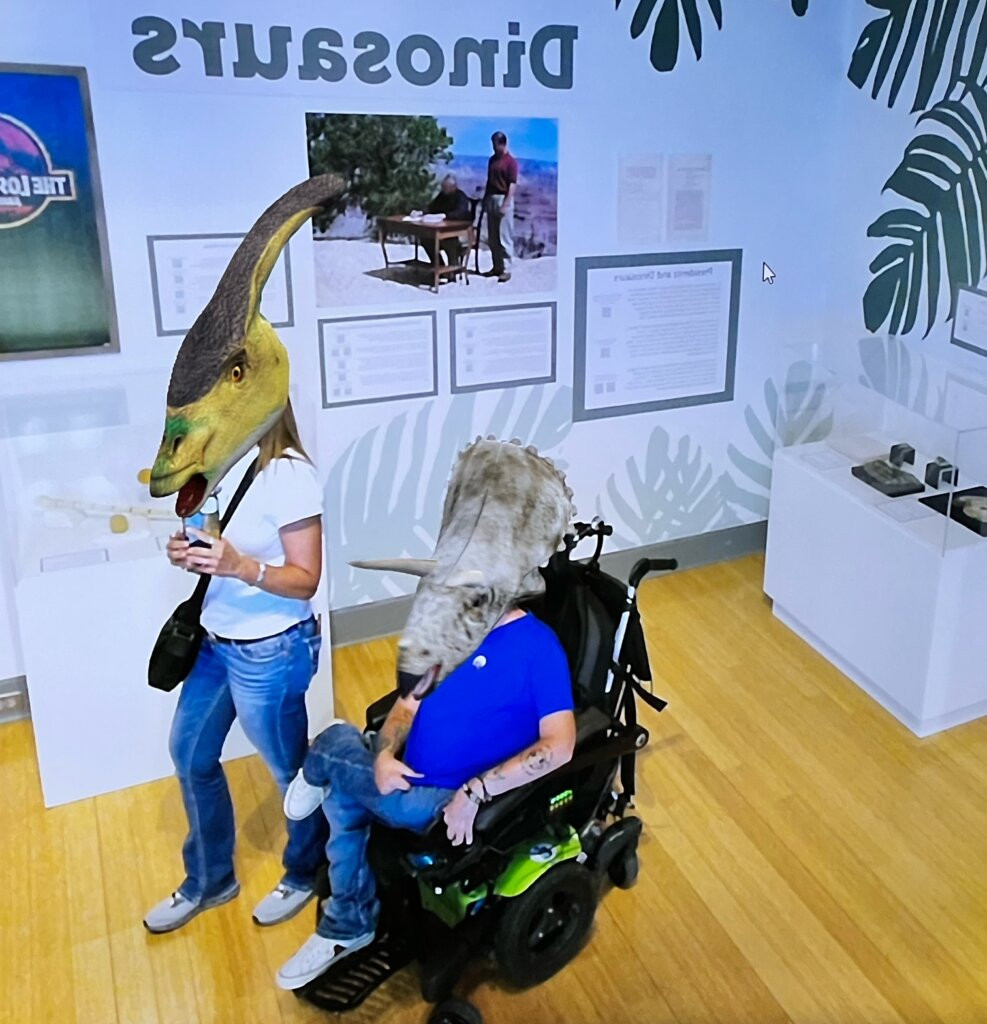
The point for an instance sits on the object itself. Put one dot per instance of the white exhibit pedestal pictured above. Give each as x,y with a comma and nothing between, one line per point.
889,591
86,634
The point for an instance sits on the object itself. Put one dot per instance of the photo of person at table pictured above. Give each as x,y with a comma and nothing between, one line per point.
454,204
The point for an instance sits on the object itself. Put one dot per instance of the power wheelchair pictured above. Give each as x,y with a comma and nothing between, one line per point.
529,883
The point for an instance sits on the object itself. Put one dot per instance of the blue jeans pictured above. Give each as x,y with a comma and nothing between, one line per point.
263,684
343,759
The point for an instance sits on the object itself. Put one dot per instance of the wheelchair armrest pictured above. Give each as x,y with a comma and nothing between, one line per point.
590,722
377,712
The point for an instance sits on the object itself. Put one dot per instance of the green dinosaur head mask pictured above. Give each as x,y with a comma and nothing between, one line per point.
229,384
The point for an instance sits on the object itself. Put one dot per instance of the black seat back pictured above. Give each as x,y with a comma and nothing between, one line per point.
583,607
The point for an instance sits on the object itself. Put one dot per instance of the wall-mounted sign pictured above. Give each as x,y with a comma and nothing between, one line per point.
55,290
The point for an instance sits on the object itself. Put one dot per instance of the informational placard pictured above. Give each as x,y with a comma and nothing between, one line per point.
185,270
689,188
655,331
970,322
640,198
502,346
378,358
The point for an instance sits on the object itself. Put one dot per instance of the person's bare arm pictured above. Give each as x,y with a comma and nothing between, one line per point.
509,199
554,747
390,772
298,578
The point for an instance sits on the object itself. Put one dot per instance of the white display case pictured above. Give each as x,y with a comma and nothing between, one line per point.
90,585
890,589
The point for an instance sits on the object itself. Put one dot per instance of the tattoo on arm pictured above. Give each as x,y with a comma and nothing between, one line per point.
537,761
394,732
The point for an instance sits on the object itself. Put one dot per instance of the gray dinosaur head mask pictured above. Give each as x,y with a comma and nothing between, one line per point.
506,511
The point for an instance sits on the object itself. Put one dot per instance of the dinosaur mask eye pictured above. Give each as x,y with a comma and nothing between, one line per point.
236,373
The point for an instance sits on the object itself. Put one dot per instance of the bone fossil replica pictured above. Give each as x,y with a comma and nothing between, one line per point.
229,383
506,511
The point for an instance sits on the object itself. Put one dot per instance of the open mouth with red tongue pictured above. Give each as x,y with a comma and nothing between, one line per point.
191,495
418,687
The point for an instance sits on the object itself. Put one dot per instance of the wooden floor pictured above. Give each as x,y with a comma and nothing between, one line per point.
805,859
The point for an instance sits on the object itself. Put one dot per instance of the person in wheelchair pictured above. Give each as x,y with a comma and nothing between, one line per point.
501,719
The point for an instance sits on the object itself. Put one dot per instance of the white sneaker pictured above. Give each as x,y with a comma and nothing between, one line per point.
281,904
302,799
315,957
176,910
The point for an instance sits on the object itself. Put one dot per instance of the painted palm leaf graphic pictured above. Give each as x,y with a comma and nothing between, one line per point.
384,494
798,413
952,44
673,494
673,15
944,174
888,369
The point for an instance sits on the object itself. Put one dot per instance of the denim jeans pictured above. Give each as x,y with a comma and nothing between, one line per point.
263,684
343,759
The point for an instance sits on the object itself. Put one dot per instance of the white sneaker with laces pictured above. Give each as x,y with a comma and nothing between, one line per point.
281,904
315,957
176,909
302,799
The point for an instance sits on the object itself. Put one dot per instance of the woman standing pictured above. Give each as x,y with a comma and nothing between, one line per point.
260,653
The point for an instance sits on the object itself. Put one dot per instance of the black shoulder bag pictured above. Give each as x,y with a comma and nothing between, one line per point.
180,638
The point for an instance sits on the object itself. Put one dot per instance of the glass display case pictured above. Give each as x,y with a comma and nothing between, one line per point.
877,530
84,571
73,468
904,431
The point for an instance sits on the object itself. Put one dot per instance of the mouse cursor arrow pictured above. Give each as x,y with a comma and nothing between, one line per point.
767,274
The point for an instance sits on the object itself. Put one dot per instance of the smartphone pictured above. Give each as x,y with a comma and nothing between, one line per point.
206,520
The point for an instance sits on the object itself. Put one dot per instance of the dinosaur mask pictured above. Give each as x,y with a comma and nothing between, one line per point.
229,384
506,511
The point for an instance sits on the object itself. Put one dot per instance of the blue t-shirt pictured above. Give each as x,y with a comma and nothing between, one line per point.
488,709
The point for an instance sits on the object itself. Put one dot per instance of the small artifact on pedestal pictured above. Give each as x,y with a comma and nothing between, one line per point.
887,476
939,472
968,507
900,454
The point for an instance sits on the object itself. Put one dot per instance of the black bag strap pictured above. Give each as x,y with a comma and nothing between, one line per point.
632,686
199,594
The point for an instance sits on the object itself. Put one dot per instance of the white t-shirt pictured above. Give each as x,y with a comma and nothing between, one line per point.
286,491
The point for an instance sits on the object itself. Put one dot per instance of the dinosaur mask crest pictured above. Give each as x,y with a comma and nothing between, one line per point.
229,383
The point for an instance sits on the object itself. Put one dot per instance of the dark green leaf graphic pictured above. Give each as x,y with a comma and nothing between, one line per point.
797,416
952,47
384,494
944,174
674,16
667,26
672,495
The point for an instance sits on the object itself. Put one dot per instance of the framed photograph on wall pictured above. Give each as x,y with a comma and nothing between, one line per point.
56,294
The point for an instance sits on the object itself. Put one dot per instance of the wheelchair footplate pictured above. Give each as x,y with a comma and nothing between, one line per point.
347,983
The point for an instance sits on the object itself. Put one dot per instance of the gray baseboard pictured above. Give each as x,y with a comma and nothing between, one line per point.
384,618
13,699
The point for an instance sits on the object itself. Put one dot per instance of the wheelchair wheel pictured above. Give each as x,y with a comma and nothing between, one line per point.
545,927
623,871
456,1011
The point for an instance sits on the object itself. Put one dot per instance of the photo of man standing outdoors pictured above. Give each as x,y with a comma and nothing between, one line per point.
498,199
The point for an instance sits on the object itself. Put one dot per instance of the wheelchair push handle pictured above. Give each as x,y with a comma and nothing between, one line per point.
596,528
649,565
